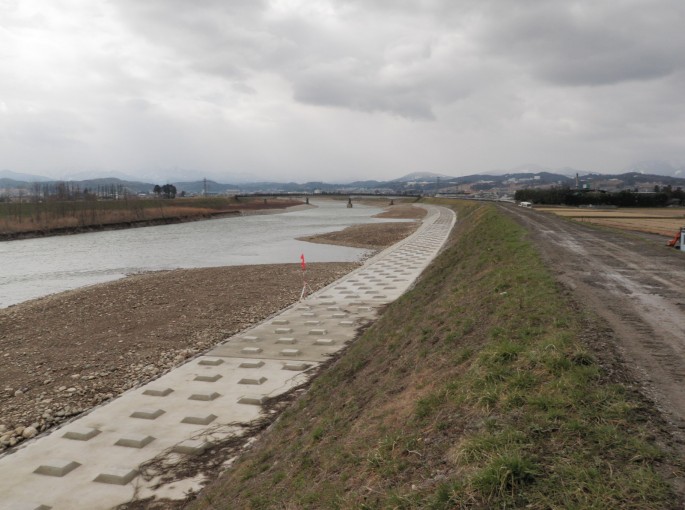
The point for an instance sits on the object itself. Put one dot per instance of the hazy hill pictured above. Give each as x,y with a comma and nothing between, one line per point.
418,182
422,176
15,176
658,167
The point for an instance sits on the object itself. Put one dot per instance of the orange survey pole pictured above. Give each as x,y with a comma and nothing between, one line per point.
305,285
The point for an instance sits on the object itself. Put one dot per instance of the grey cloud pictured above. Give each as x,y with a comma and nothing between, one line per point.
337,90
51,128
233,43
159,83
587,42
215,37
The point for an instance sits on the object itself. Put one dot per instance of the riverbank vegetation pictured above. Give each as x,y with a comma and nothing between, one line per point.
44,217
482,387
660,197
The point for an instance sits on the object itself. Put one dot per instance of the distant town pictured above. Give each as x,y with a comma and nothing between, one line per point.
477,186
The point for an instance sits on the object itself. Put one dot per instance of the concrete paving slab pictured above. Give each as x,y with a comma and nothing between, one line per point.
199,419
78,433
116,475
57,467
204,395
158,392
192,447
134,440
287,341
28,506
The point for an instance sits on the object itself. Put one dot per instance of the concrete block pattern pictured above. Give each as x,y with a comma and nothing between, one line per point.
253,400
286,340
27,506
203,419
78,433
208,378
191,447
158,392
116,476
251,350
147,413
252,380
204,395
57,467
290,352
134,440
296,367
211,361
251,364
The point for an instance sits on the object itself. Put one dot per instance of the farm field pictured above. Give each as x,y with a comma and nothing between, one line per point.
661,221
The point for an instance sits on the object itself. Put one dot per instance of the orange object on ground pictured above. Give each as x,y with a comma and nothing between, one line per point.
674,241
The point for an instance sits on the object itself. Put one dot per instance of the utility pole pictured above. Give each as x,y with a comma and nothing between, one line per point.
437,185
205,187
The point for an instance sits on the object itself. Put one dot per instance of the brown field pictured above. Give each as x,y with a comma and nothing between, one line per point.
665,222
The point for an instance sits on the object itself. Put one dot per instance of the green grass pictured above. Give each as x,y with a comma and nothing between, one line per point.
473,390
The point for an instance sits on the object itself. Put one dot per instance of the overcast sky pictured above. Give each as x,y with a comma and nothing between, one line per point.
338,90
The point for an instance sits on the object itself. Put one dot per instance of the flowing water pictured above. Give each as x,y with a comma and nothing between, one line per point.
38,267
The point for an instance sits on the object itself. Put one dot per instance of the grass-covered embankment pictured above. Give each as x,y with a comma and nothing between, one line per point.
474,390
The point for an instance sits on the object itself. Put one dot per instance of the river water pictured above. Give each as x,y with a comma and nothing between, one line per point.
37,267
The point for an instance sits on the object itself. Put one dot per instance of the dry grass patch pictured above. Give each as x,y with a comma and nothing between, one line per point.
660,221
402,211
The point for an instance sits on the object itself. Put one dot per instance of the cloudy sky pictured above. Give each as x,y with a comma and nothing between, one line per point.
338,90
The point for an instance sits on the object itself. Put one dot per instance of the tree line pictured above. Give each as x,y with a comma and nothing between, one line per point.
660,197
68,191
166,191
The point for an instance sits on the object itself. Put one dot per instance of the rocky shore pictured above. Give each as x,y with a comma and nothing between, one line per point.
63,354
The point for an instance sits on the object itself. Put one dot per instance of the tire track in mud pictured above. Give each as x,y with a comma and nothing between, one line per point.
633,282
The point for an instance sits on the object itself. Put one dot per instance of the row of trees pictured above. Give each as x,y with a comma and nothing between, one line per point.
166,191
573,197
68,191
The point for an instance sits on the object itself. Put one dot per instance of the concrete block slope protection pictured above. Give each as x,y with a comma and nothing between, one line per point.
93,462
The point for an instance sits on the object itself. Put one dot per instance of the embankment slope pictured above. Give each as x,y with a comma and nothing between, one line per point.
485,386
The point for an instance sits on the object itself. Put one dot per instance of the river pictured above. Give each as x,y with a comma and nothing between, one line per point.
37,267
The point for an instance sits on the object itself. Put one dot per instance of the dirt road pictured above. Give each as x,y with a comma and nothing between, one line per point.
633,282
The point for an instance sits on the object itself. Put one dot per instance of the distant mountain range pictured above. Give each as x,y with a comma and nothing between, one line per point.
643,173
9,174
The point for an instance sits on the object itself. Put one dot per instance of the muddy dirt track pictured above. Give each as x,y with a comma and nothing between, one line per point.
636,284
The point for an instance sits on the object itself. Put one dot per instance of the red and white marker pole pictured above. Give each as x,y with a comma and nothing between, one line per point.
305,285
